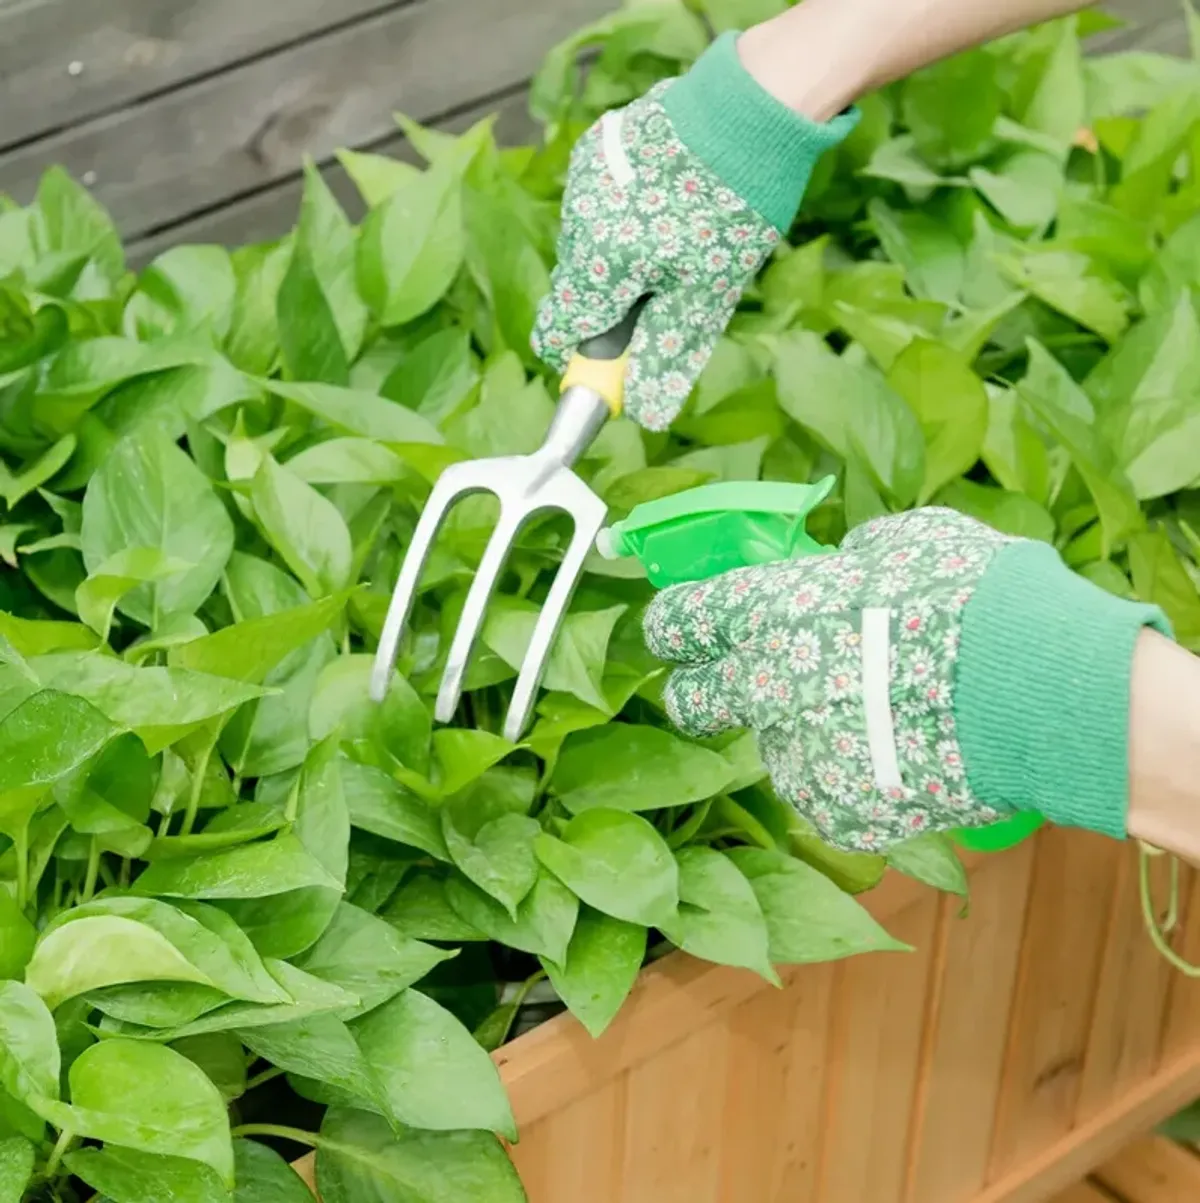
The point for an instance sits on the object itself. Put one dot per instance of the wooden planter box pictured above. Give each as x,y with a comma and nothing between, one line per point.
1010,1054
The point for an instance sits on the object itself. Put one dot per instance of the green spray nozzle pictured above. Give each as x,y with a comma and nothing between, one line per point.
703,532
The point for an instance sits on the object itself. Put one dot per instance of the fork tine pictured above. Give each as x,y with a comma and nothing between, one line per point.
549,620
449,487
471,620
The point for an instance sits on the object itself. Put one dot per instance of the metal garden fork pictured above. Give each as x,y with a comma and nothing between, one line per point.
526,485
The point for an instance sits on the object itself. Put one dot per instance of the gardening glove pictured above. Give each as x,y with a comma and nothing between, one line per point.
681,195
931,675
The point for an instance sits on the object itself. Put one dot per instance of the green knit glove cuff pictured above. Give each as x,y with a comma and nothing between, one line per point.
757,146
1042,690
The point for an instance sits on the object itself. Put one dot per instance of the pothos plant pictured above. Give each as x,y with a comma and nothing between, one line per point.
243,909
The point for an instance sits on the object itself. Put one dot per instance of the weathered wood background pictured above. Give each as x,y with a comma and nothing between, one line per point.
189,119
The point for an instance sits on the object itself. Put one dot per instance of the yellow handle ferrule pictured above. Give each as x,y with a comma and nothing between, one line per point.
603,376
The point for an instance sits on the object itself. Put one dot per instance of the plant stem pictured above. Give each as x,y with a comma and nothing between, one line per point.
21,848
300,1137
123,877
65,1138
93,869
267,1075
198,776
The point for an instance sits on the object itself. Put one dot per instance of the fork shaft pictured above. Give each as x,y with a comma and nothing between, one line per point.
578,418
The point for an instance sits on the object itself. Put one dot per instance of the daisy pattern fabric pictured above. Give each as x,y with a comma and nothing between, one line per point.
643,215
793,650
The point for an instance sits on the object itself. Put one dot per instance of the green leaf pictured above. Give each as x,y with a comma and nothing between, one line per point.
617,863
950,403
436,378
127,939
411,247
576,663
1009,513
348,461
951,108
930,859
376,176
130,1176
253,340
74,225
367,957
543,925
601,965
498,857
1062,406
148,493
14,486
382,806
420,909
625,767
184,289
462,756
358,412
249,650
432,1071
29,1053
161,705
250,871
16,1169
264,1177
1160,578
17,939
1067,281
808,917
719,915
929,250
147,1097
97,598
288,923
362,1160
222,1058
305,528
870,422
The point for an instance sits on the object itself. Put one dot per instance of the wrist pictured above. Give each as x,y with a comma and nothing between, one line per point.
1042,690
758,147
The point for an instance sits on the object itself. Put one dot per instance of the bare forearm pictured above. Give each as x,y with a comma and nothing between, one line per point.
820,56
1164,747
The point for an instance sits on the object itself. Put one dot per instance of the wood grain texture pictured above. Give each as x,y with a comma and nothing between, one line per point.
1131,996
776,1070
961,1083
1066,926
125,49
879,1012
1152,1170
1182,1027
1082,1192
269,214
154,163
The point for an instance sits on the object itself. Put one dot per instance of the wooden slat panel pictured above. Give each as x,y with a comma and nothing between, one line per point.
878,1014
1068,920
1153,1170
1127,1020
158,161
1082,1192
674,1125
577,1153
774,1088
1182,1029
966,1056
127,48
270,214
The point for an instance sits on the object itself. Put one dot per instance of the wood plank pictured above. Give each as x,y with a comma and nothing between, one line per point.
962,1083
579,1152
558,1062
1153,1170
1064,936
674,1126
879,1009
1127,1018
124,49
267,215
774,1089
1181,1030
156,162
1080,1150
1082,1192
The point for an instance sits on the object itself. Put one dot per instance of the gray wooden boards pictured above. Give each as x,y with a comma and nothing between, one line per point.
172,155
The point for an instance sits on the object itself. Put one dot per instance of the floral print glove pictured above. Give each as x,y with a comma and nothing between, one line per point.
931,675
680,196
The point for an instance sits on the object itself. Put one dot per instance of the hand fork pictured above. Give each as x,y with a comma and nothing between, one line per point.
526,485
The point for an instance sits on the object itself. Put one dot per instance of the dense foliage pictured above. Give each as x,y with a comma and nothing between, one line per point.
236,898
